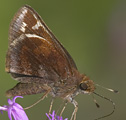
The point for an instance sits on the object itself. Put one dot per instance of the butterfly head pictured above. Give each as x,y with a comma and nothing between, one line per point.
86,85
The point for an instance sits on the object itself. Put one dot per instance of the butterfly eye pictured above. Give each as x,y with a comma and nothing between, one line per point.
83,86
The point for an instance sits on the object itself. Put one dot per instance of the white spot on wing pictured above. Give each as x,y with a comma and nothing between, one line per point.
22,37
36,36
39,24
23,26
35,17
22,29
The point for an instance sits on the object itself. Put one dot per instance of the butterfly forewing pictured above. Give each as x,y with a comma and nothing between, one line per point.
34,50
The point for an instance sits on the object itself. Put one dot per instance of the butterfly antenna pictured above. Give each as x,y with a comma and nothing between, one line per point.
107,100
97,105
111,90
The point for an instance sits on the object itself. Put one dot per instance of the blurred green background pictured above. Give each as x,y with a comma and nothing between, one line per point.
94,33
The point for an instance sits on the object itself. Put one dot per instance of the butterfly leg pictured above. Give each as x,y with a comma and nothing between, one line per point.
63,108
75,109
51,104
50,108
42,98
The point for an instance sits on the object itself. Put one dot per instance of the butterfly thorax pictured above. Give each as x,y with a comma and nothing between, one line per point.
79,83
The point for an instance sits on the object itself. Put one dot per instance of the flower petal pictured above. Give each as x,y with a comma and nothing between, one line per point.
59,118
19,113
66,119
3,108
48,116
53,115
9,101
14,110
16,98
18,106
9,114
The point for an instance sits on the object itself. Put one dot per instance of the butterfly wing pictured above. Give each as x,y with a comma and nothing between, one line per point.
34,50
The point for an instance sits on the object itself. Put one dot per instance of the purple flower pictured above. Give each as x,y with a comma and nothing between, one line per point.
14,109
54,117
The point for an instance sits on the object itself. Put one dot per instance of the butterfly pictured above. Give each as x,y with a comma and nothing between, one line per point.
40,63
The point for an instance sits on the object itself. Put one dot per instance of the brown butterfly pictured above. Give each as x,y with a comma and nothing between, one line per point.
40,63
